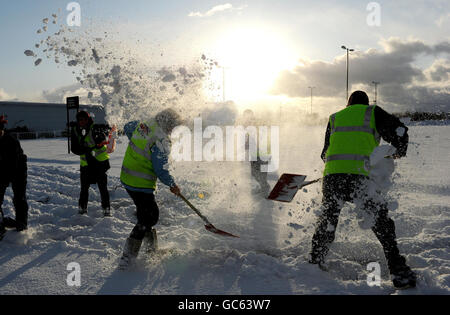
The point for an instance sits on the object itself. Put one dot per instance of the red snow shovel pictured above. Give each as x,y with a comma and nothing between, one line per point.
287,186
208,224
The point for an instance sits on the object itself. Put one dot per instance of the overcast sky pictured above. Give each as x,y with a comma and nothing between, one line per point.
406,47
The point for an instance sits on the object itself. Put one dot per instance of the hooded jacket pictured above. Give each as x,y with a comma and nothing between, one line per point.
13,162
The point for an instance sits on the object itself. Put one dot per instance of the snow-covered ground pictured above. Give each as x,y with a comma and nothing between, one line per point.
270,257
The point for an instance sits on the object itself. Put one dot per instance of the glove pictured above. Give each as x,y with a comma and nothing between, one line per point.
175,190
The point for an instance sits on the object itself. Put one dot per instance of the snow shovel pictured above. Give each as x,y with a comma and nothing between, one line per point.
287,186
208,224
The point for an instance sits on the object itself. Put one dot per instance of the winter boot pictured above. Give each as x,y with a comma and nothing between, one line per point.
403,277
150,241
315,260
319,260
9,223
2,225
82,210
2,229
21,226
130,253
319,250
107,212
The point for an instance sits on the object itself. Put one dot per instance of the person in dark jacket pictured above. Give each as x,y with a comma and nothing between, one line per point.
351,136
88,140
13,170
262,158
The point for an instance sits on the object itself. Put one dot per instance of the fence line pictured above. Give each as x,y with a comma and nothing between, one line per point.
29,135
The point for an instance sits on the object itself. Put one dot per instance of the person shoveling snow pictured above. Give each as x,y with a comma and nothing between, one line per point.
352,135
144,162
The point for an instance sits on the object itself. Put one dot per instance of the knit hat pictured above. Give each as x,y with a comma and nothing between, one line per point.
358,97
168,119
83,114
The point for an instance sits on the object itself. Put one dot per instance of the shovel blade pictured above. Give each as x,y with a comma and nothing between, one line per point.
286,187
215,230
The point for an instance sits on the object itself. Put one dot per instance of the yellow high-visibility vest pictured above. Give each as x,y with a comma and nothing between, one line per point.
100,154
137,168
352,140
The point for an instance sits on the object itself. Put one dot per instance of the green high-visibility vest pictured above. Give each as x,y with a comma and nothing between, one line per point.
262,152
137,168
100,154
353,139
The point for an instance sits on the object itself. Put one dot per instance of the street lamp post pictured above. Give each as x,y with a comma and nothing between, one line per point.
376,86
347,49
311,87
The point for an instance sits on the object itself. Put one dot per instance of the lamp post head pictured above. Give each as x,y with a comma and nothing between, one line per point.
343,47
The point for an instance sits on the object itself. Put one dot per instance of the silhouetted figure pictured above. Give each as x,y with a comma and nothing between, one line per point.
13,170
352,135
88,140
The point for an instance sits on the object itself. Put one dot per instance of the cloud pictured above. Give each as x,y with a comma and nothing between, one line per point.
59,95
443,20
217,9
439,71
402,82
5,96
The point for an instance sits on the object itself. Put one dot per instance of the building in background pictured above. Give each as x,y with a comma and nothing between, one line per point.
40,117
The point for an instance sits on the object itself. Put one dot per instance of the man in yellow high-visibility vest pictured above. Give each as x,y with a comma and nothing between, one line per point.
87,141
352,135
146,161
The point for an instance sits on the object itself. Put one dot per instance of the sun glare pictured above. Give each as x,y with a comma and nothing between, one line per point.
250,60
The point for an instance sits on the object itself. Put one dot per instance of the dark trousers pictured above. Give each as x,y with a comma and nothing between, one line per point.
19,201
89,177
260,177
341,188
147,213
